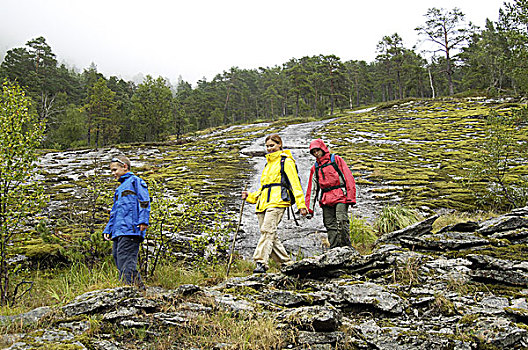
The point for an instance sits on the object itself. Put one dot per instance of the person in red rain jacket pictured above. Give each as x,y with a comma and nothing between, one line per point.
332,184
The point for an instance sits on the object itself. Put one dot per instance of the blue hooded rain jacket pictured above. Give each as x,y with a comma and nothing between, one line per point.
131,208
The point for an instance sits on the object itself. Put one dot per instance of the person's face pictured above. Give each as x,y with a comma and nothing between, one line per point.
118,169
317,153
272,146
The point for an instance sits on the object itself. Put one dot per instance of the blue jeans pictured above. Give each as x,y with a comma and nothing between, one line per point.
125,251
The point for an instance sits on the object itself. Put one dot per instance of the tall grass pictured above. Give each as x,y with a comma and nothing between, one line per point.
205,331
81,278
396,217
236,332
174,275
58,286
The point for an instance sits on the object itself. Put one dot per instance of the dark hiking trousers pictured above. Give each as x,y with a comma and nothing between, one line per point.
125,252
335,219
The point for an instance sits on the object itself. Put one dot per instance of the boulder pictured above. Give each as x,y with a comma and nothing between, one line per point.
27,318
369,297
332,260
469,226
98,300
508,272
339,261
312,318
496,333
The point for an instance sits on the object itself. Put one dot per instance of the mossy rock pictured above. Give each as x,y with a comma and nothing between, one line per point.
43,254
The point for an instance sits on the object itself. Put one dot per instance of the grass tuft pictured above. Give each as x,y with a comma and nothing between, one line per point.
394,218
232,331
362,235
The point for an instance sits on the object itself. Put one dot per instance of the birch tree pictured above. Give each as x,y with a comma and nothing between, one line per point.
20,195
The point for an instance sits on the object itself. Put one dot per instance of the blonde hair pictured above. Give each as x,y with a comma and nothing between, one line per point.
121,160
275,138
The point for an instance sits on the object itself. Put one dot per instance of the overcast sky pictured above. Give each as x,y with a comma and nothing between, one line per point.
201,38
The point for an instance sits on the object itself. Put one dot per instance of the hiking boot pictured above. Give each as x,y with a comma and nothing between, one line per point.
260,268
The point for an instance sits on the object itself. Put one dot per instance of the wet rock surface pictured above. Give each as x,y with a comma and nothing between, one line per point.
443,296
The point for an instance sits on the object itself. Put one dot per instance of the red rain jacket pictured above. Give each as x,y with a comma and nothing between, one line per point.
328,177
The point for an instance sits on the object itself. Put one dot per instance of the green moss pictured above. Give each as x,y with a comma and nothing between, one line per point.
468,319
61,196
241,290
62,347
518,252
522,325
41,251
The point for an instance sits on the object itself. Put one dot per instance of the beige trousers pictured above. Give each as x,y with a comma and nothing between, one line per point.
269,244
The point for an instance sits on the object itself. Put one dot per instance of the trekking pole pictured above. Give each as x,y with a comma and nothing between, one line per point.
235,235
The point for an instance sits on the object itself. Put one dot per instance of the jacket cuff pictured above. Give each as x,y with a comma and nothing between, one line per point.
251,198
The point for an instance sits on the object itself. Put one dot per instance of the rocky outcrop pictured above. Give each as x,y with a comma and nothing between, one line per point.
415,230
464,287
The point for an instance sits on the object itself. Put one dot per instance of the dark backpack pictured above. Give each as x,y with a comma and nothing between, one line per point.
286,187
339,172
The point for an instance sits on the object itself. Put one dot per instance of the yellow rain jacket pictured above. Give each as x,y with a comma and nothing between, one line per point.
272,175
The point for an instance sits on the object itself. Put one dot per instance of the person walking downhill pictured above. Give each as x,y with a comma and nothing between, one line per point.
129,219
280,188
332,184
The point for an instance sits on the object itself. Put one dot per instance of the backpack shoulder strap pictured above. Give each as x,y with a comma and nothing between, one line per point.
334,164
285,182
283,160
283,173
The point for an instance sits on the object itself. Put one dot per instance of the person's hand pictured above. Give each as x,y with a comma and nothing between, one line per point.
304,211
107,237
245,194
142,227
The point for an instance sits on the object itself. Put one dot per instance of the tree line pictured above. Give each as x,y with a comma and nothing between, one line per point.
87,109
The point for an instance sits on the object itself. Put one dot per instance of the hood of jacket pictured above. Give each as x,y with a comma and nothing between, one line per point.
319,144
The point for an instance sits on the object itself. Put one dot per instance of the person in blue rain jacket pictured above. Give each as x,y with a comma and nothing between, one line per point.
129,219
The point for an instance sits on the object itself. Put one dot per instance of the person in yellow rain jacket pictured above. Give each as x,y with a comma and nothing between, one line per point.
275,195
